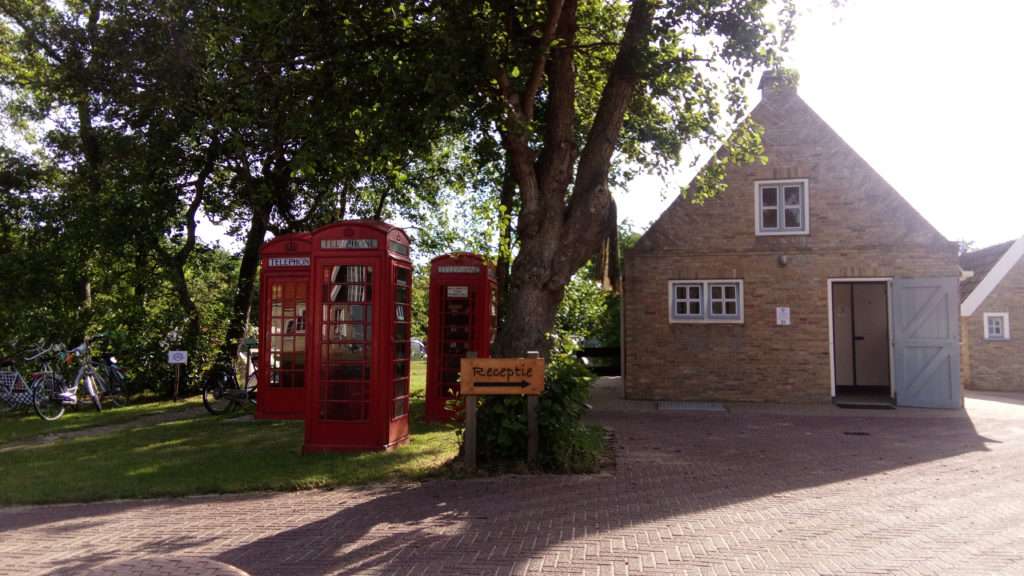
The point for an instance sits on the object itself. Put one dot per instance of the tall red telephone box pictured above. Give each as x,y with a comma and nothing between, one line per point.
463,318
357,378
284,291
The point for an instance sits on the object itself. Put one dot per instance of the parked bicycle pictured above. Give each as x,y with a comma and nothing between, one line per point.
222,392
87,385
15,391
112,374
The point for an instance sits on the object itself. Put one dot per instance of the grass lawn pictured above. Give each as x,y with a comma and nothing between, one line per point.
206,454
24,424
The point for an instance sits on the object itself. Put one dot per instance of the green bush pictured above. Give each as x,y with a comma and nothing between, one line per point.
566,444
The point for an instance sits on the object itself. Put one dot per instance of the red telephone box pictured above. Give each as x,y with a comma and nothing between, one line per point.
463,317
284,290
358,372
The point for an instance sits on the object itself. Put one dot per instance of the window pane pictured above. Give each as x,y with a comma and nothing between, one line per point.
770,219
402,276
730,308
360,274
793,218
681,308
716,292
716,307
695,308
694,292
730,292
348,293
792,195
769,196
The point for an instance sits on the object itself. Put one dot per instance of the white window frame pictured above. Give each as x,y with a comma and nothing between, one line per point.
705,316
1005,317
673,301
781,230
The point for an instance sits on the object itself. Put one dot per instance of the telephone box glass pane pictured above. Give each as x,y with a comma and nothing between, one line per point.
287,346
456,334
346,354
400,342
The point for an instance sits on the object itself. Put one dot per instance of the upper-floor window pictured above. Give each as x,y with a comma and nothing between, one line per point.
997,326
782,207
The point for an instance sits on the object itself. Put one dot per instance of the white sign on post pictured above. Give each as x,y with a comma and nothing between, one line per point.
177,357
782,316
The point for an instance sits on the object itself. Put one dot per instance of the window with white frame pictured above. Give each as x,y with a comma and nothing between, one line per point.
706,301
997,326
782,207
688,301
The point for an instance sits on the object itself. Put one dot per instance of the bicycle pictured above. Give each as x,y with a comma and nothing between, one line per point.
221,392
51,404
15,391
112,374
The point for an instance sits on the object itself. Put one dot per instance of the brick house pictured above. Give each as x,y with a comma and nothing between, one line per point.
808,279
993,296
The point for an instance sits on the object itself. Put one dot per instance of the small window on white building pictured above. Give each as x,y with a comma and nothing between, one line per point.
997,326
708,301
781,207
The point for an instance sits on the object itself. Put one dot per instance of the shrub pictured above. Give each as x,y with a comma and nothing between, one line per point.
566,443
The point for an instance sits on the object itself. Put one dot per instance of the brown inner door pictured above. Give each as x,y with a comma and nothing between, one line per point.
860,315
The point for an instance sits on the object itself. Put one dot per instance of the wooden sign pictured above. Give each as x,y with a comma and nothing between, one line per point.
485,376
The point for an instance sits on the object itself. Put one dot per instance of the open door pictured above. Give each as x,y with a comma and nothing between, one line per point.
926,342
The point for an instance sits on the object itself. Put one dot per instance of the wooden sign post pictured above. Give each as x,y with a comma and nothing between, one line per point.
501,376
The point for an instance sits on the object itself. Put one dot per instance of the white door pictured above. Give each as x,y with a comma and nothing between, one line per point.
926,342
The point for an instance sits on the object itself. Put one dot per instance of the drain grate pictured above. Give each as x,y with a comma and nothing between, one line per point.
857,433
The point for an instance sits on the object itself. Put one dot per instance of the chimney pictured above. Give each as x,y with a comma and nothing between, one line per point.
778,81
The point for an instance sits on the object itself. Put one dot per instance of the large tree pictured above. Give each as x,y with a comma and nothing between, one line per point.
582,94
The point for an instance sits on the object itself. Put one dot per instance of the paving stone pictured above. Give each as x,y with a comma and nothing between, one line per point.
747,491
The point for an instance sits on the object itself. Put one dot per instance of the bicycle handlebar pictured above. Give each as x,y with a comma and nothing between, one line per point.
43,352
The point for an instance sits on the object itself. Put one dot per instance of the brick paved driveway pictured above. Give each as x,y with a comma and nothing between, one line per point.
749,491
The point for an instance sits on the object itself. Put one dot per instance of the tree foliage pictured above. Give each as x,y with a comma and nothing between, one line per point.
499,127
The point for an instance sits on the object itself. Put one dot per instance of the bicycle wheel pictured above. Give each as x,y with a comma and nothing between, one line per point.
219,392
251,388
95,387
46,399
117,392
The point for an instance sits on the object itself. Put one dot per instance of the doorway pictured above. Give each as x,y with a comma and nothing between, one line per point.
861,342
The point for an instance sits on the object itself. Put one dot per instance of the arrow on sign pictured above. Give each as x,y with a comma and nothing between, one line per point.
522,384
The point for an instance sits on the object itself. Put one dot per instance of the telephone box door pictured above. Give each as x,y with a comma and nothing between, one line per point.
284,347
345,409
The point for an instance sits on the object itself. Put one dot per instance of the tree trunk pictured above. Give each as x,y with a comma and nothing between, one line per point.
557,237
504,265
242,305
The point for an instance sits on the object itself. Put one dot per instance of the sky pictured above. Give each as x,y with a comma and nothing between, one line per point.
930,93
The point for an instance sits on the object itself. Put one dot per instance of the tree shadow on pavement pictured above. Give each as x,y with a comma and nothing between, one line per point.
670,466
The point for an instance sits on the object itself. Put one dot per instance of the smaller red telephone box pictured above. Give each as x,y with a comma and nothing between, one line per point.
463,318
284,291
358,371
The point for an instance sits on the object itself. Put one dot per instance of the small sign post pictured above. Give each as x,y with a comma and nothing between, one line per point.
501,376
177,358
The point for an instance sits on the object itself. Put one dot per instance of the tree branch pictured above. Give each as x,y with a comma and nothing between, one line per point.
537,72
591,198
625,75
555,165
209,162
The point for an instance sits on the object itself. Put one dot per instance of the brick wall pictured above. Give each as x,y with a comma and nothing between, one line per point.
859,227
998,365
